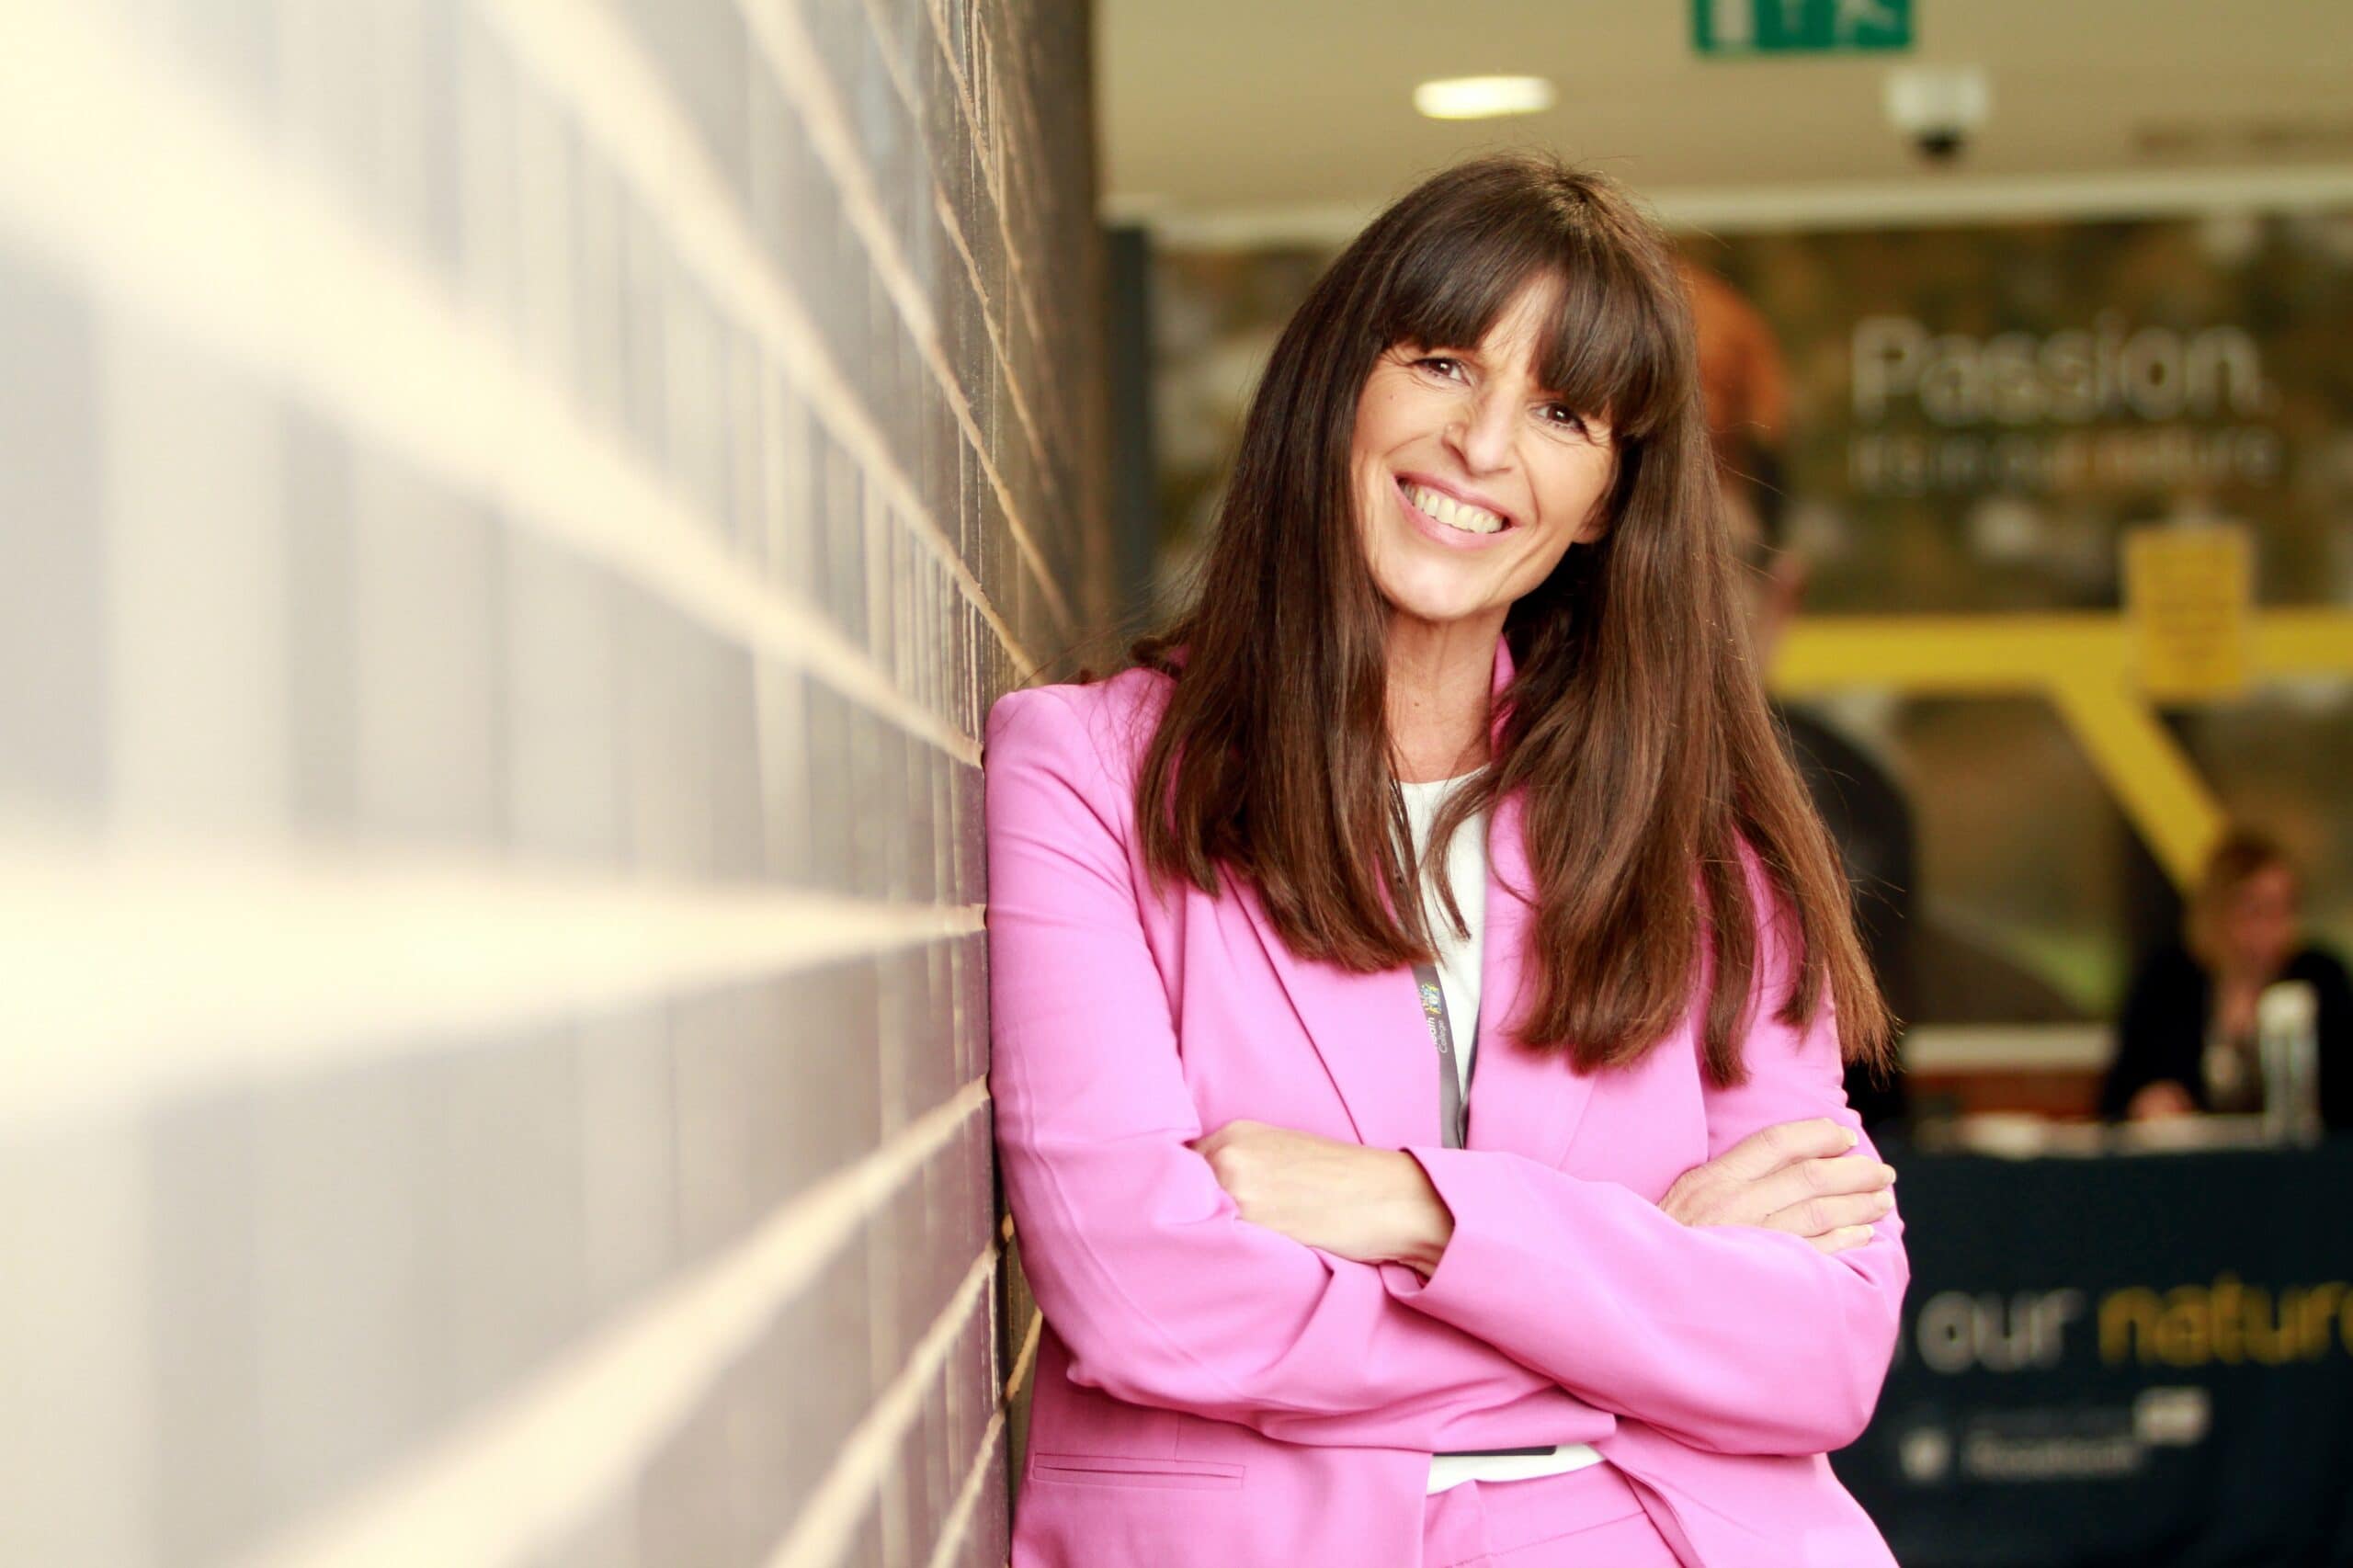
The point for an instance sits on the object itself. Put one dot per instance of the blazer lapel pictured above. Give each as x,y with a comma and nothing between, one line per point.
1368,1028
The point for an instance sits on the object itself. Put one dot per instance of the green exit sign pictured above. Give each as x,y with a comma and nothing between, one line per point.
1800,27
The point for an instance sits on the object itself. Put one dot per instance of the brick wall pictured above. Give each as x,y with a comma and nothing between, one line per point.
511,512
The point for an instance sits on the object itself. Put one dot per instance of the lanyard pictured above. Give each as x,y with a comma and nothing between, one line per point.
1454,1111
1454,1115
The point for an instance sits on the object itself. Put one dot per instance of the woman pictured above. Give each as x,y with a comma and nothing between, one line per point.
2187,1040
1420,984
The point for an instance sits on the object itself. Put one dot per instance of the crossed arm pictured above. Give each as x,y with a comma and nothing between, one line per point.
1550,1294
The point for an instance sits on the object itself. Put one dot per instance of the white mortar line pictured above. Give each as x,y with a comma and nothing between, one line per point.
125,175
945,1551
792,55
829,1517
507,1482
1014,264
1017,280
583,58
1026,1358
143,967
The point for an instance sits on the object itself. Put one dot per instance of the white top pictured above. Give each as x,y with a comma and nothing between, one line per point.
1466,868
1459,959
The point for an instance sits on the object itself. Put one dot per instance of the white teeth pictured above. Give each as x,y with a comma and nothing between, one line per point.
1453,513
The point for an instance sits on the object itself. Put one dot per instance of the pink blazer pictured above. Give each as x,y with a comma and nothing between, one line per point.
1212,1392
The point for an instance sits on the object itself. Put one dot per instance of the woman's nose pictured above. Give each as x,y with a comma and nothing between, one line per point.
1481,434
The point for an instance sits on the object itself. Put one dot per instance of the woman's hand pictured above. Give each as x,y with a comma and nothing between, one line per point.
1371,1205
2160,1101
1791,1177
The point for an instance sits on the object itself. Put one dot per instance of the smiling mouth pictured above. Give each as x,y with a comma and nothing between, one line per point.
1444,509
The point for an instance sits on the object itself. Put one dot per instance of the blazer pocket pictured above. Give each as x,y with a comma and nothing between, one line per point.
1127,1470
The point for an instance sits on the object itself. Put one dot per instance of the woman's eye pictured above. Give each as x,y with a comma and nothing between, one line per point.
1440,364
1567,418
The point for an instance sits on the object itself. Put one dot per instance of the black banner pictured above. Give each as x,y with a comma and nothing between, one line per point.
2131,1360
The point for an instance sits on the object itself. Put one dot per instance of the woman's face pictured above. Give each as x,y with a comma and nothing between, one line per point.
1472,480
2259,921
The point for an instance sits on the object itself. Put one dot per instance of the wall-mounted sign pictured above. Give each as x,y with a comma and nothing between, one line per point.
1801,26
2188,591
2105,403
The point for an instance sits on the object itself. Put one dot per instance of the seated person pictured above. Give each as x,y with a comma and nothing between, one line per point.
2187,1040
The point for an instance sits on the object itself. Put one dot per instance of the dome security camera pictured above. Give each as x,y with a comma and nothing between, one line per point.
1938,108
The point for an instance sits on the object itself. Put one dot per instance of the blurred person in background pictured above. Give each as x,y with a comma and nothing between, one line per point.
2187,1039
1745,384
1865,809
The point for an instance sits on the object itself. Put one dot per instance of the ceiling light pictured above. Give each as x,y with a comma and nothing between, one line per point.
1483,97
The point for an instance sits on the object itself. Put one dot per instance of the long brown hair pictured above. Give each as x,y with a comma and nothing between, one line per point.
1636,732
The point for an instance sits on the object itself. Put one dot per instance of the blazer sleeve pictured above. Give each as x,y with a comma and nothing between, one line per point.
1162,1293
1738,1339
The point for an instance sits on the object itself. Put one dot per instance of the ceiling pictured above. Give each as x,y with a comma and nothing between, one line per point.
1262,118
